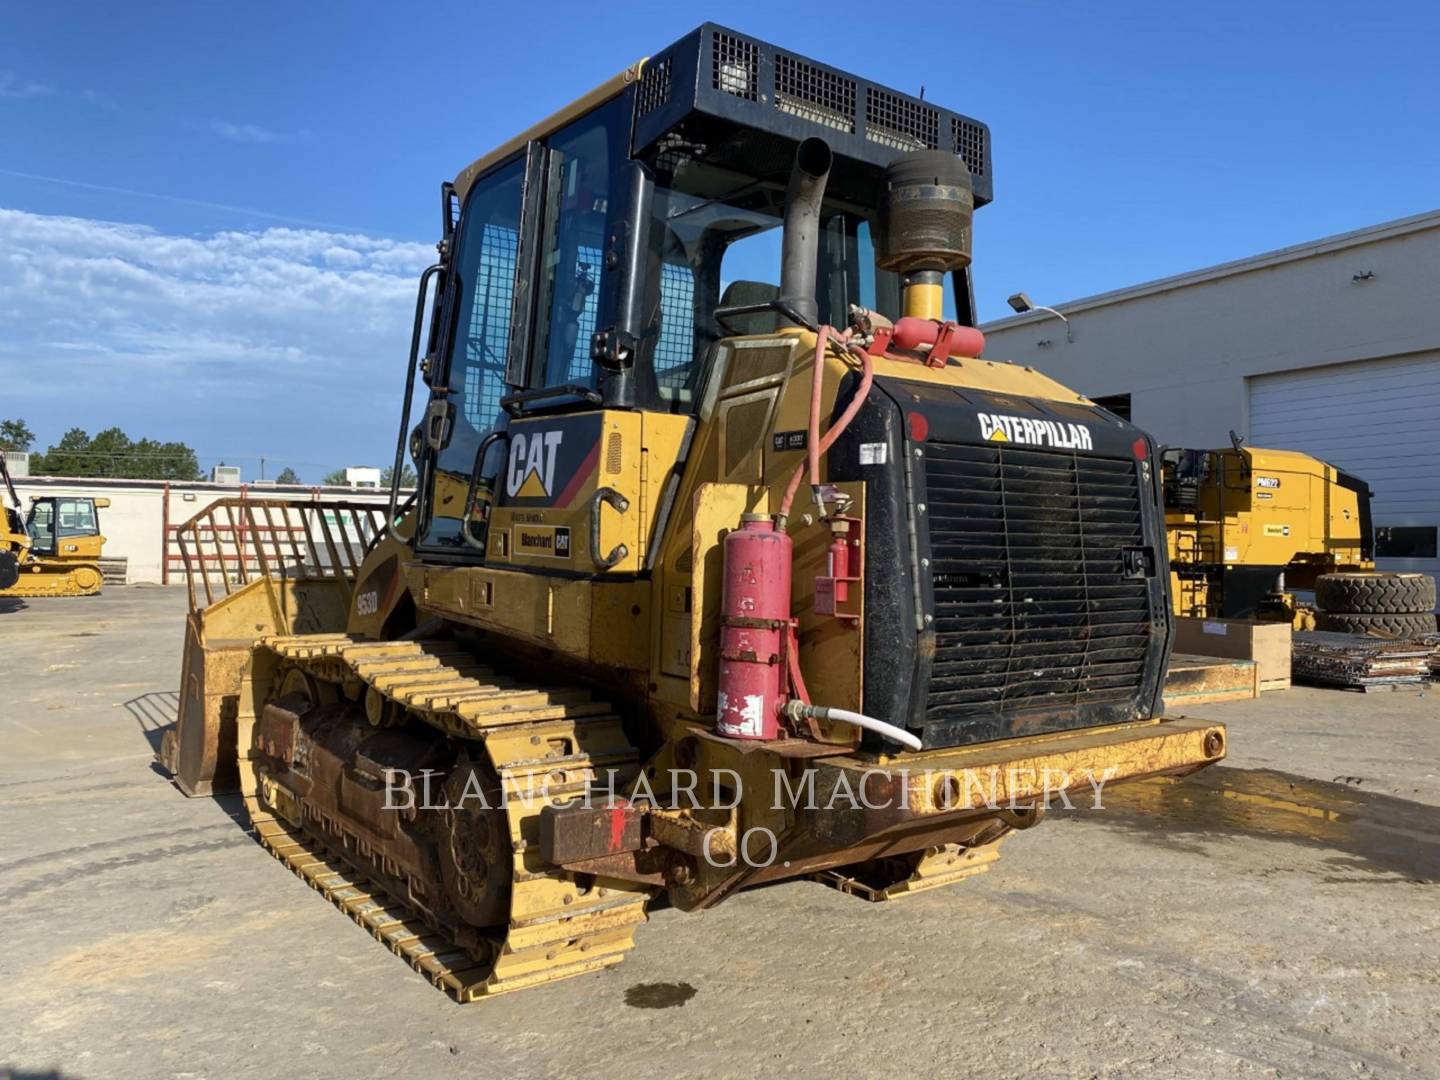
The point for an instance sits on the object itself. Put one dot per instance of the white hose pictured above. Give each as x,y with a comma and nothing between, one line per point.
860,720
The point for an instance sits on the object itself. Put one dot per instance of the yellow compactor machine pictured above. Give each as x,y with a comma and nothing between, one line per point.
730,560
54,550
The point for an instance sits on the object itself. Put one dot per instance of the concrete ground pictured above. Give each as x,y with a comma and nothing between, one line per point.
1277,916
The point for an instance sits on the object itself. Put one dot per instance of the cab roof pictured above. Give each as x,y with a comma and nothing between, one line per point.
727,97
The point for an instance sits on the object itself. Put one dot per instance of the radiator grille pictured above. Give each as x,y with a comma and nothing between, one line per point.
1032,606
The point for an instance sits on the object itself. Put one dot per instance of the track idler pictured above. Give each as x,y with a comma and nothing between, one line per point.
474,843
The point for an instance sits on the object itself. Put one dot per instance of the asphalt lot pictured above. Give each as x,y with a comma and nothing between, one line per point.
1276,916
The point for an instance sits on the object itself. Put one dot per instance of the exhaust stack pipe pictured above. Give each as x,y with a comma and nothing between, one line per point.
800,243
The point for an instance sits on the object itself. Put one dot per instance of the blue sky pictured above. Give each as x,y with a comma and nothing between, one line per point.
211,216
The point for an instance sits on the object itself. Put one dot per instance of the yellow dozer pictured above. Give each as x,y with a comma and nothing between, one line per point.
708,581
52,551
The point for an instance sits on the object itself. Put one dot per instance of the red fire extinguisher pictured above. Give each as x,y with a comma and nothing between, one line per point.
754,622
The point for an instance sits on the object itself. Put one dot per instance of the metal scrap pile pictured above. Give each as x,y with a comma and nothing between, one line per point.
1359,660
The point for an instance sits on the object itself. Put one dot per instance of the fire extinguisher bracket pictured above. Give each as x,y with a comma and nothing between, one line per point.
845,567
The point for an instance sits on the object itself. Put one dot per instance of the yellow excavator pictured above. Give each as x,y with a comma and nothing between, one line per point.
709,581
52,551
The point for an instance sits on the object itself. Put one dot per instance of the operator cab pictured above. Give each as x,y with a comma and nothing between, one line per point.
55,523
597,261
1183,473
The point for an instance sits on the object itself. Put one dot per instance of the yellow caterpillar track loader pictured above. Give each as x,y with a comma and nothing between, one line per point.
731,560
52,551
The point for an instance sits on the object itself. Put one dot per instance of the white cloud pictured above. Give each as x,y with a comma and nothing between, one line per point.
253,133
99,100
12,86
282,341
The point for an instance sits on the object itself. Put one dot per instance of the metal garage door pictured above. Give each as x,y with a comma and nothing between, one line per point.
1379,419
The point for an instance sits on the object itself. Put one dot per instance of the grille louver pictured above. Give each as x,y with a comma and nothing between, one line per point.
1033,608
814,94
737,66
969,140
654,87
901,123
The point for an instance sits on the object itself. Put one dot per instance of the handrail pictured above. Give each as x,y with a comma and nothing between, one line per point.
465,534
516,404
392,520
411,368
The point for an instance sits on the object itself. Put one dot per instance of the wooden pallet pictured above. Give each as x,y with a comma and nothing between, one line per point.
1196,680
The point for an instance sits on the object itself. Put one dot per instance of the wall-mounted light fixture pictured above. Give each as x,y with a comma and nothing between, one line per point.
1020,303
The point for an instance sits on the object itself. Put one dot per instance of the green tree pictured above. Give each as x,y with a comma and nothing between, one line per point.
69,457
163,461
288,476
113,453
15,435
407,476
335,479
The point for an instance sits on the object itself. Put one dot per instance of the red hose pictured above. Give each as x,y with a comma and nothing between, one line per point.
818,446
817,381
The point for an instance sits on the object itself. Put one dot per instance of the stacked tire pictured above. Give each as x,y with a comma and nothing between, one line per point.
1391,605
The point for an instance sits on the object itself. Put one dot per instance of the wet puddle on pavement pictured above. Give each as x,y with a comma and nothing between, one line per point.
1382,834
658,995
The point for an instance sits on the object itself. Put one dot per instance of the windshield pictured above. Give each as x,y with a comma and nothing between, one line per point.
715,243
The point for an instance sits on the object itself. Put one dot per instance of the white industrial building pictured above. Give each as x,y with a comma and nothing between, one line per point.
1331,348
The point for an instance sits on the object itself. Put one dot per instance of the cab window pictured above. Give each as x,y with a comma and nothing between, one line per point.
673,352
482,293
578,203
42,526
715,242
77,517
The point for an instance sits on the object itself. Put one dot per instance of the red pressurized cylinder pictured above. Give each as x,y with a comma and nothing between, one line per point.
754,617
912,332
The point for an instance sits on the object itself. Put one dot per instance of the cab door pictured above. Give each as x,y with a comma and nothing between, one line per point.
515,409
41,526
470,381
566,499
525,469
